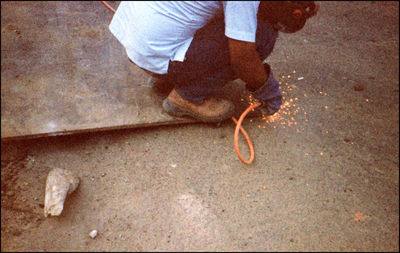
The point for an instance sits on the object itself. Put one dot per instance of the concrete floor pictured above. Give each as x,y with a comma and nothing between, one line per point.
325,176
63,72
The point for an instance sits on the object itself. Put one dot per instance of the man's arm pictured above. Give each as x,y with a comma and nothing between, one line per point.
246,64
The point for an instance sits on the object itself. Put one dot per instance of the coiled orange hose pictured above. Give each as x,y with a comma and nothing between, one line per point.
236,135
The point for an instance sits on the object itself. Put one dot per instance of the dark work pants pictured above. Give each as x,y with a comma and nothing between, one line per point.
207,65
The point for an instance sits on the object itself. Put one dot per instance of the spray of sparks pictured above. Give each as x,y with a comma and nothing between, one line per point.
286,116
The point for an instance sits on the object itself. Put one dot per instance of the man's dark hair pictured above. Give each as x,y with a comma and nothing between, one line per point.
292,15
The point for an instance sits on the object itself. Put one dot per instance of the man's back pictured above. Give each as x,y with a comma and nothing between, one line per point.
153,33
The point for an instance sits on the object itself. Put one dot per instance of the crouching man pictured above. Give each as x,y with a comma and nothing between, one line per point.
196,47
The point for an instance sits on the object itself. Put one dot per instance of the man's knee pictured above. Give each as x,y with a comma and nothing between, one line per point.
265,39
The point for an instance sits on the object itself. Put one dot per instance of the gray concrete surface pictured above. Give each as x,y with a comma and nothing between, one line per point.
63,72
325,175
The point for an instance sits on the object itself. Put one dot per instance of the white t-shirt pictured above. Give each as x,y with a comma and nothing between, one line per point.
153,33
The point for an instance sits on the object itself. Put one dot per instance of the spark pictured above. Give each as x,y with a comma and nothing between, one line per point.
286,116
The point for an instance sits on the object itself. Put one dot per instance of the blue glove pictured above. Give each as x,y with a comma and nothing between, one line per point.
269,94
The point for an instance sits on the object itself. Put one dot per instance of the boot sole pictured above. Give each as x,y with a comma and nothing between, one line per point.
181,112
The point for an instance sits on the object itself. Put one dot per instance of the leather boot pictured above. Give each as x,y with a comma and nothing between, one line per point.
211,110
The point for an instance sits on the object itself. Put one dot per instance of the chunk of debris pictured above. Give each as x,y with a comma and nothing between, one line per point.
93,233
59,184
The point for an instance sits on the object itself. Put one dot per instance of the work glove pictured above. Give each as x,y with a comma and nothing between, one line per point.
268,94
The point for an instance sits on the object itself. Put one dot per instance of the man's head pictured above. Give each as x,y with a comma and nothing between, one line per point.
287,16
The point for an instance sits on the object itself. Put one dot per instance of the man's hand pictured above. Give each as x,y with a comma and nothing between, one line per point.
246,64
258,77
269,94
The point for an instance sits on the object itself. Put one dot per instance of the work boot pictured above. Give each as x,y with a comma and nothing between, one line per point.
211,110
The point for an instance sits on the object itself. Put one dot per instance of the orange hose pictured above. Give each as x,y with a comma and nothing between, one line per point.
238,123
108,6
236,136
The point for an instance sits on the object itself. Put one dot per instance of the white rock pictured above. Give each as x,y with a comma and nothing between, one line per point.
93,234
59,183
